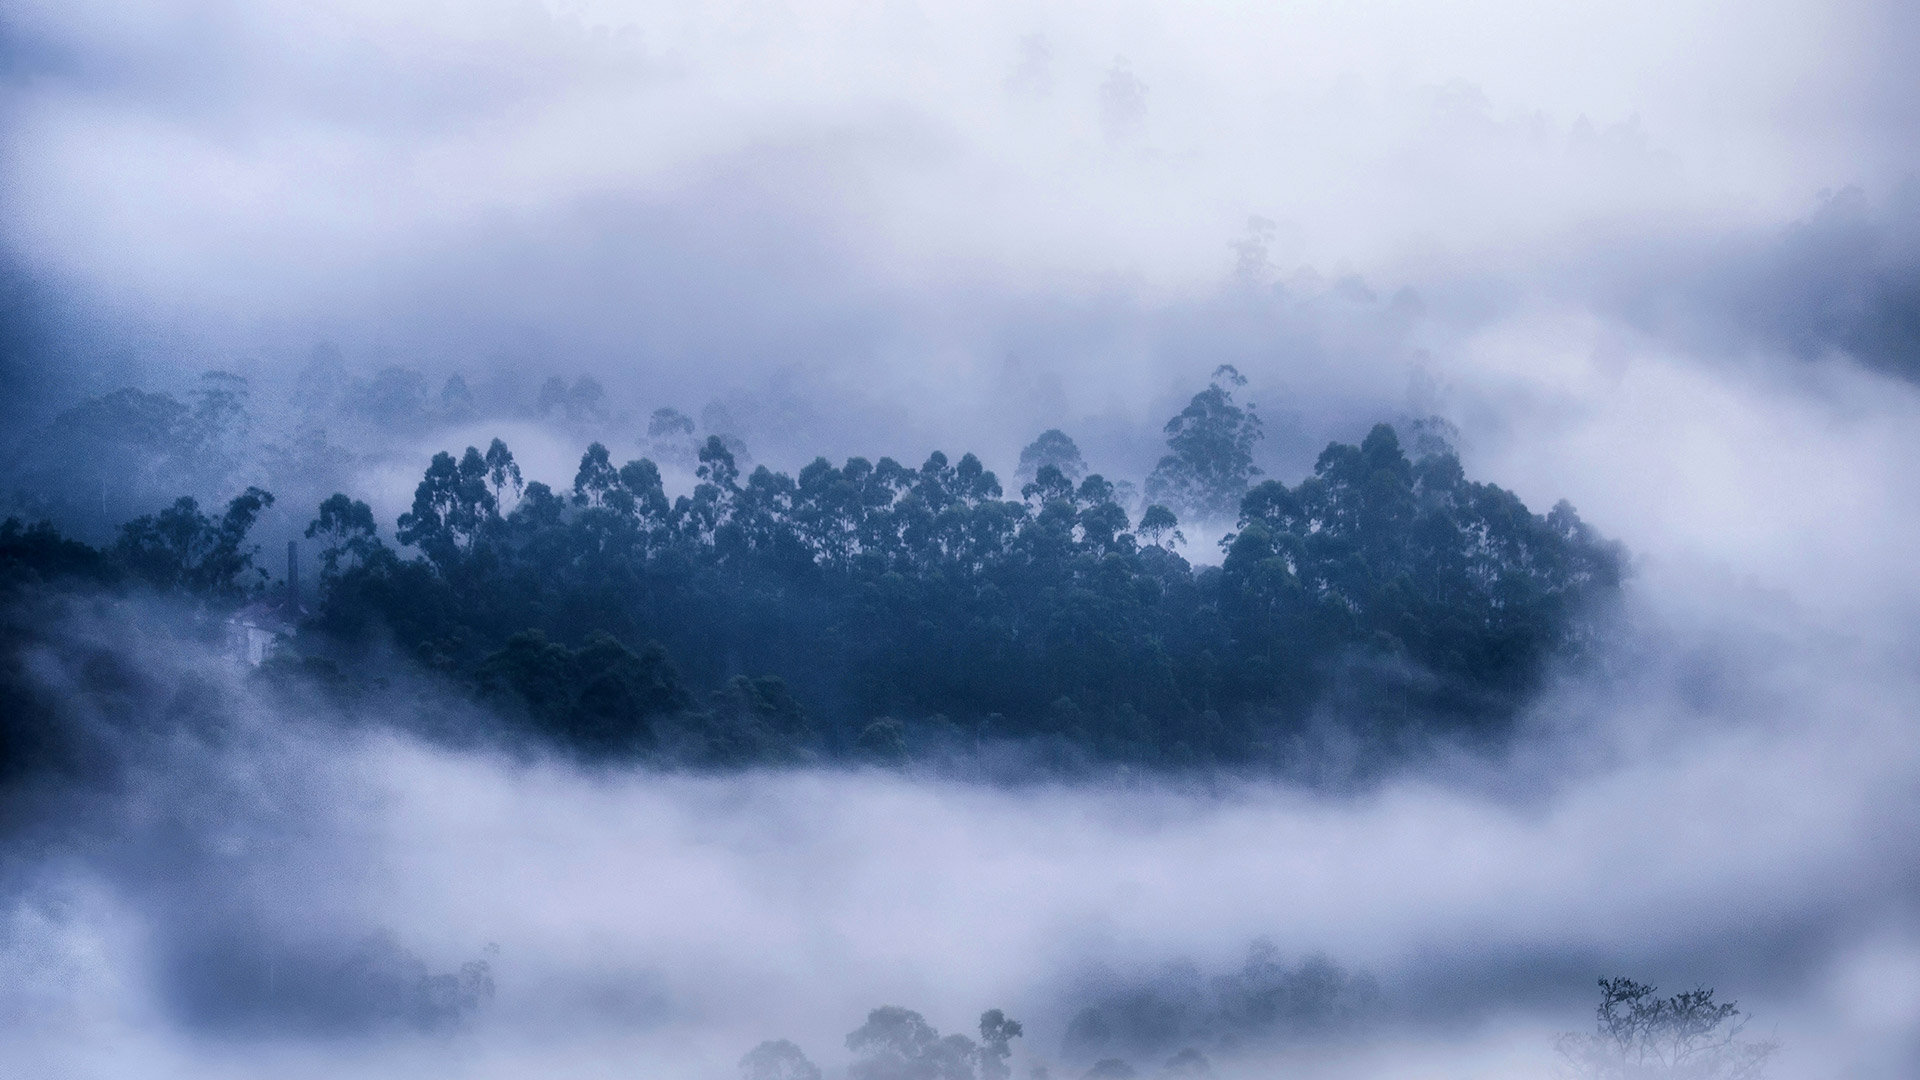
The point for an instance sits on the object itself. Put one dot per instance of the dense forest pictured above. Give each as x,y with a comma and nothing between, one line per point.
874,610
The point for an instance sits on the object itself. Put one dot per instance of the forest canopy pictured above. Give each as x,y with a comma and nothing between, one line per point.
871,610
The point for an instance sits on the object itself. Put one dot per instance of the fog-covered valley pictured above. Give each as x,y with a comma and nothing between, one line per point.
1253,542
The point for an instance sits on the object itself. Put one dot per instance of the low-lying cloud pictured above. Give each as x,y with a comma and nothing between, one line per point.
1656,259
1730,810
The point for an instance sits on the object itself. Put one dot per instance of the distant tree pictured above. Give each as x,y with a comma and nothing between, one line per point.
1210,463
670,437
1264,1003
899,1044
108,455
644,485
1054,448
718,422
456,400
669,423
924,595
219,407
318,386
395,397
1639,1035
553,396
777,1060
218,439
586,401
997,1033
1432,436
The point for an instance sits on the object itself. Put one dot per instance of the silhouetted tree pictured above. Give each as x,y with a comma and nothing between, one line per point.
1639,1035
181,549
502,472
452,506
346,532
1158,524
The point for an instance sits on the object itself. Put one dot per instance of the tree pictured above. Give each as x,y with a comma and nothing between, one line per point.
502,472
218,429
1054,448
553,395
345,529
456,400
718,465
602,698
1159,524
1210,463
997,1033
596,478
777,1060
452,506
1639,1035
899,1044
182,549
395,398
586,401
108,455
669,423
670,436
1047,486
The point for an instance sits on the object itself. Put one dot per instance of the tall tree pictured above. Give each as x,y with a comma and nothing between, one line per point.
1209,464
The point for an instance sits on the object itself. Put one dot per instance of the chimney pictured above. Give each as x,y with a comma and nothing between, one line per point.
293,574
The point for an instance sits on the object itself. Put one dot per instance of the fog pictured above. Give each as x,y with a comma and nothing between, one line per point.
1731,809
1660,260
891,227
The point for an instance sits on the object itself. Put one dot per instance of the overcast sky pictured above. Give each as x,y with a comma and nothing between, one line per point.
939,220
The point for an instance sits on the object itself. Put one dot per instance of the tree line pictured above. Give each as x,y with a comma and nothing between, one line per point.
872,609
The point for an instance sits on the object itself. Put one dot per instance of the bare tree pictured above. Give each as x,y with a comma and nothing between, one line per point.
1639,1035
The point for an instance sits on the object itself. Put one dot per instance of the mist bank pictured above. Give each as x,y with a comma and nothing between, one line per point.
985,225
236,877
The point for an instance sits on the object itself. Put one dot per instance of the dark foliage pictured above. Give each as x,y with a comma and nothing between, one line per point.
878,612
182,550
905,605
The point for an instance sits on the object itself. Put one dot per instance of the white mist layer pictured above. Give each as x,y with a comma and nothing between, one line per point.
1746,822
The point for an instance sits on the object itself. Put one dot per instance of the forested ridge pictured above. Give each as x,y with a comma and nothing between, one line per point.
874,610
